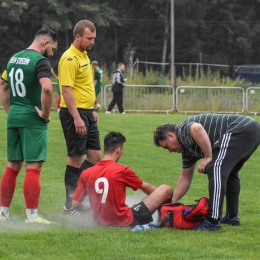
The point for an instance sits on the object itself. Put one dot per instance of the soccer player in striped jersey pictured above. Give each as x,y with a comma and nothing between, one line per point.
223,143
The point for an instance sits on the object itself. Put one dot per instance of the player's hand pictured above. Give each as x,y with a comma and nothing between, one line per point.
80,126
203,164
47,119
95,115
85,206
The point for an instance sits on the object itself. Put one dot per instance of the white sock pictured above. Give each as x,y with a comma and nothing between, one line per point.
4,210
31,213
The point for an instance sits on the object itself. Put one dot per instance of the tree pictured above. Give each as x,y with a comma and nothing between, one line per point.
231,33
161,8
59,15
224,32
10,14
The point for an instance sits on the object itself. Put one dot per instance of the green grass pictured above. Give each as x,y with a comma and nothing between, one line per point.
80,238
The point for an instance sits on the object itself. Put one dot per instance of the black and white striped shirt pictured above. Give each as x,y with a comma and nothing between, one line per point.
216,125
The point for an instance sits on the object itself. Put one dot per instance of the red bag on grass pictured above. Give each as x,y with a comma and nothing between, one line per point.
177,215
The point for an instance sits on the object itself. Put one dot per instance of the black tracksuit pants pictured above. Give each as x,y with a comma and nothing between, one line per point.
117,99
230,152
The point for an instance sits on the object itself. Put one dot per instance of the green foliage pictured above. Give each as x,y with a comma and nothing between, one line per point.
80,238
150,77
58,15
12,11
219,32
210,79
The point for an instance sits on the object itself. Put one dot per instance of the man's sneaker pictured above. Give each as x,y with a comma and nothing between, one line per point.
108,112
71,211
97,107
37,220
230,221
4,217
206,226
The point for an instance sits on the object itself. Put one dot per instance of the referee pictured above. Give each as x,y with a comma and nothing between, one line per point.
78,119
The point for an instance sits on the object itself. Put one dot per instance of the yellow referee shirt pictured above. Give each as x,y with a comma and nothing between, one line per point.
75,71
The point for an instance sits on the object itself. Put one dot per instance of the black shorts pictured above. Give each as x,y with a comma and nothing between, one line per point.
142,214
78,145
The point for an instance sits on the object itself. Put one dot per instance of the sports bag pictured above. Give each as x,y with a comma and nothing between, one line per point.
177,215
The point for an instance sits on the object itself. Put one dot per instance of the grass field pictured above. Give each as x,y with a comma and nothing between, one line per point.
80,238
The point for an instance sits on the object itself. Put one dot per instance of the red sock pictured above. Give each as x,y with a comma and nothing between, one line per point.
8,183
32,188
58,103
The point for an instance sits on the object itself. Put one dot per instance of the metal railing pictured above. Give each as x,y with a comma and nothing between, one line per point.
143,98
186,99
253,100
198,99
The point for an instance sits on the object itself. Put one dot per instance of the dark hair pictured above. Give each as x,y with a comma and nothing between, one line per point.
82,25
161,131
49,33
112,141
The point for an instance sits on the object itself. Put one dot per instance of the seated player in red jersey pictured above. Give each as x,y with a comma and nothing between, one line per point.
105,183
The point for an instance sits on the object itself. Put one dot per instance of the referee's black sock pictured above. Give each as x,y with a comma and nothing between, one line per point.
85,165
71,180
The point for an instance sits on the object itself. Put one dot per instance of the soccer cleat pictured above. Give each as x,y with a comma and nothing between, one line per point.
206,226
123,113
108,112
230,221
97,107
37,220
4,217
71,211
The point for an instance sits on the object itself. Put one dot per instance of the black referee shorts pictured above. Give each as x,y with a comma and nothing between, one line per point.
78,145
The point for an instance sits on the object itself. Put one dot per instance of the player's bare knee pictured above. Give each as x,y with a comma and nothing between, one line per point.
166,189
94,156
75,161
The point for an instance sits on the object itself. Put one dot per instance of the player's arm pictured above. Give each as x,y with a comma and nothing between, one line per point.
76,204
43,73
4,94
81,206
147,188
201,138
96,78
118,78
54,74
183,183
79,196
95,82
95,115
71,105
46,98
67,73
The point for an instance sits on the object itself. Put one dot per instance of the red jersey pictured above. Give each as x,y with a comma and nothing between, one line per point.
105,184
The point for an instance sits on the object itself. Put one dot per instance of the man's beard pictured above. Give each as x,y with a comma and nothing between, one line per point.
45,54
